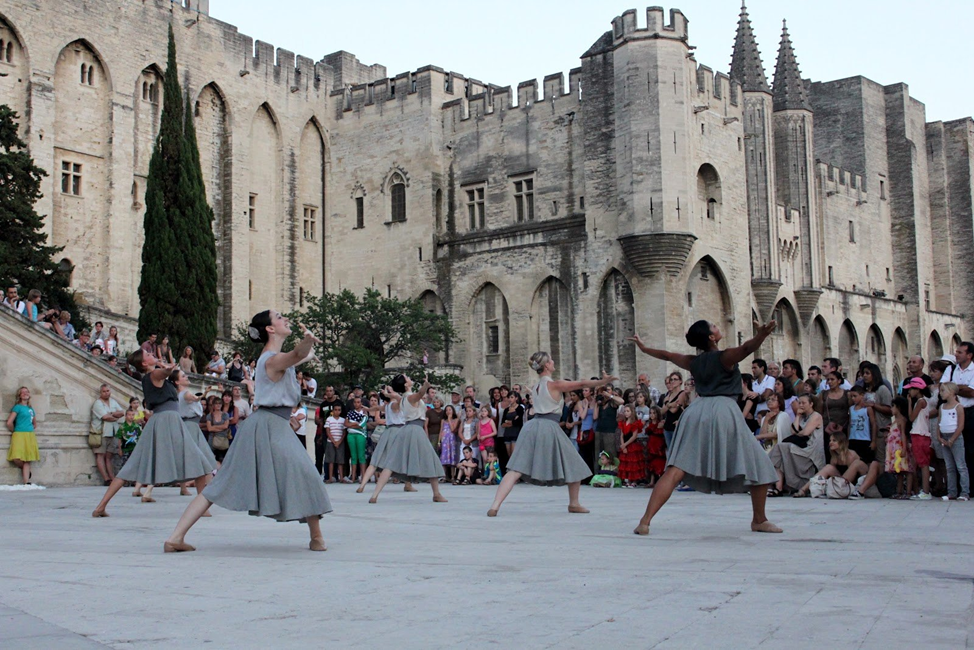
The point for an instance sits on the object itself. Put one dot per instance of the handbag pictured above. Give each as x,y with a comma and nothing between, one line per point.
837,487
817,487
377,433
220,441
94,439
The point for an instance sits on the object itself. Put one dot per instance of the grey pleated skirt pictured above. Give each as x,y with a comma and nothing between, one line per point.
716,449
545,456
167,452
379,453
267,473
201,440
410,456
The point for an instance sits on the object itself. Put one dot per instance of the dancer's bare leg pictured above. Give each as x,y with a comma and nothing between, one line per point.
437,497
573,504
317,542
759,521
184,489
112,490
661,494
380,483
147,497
507,484
408,487
201,482
366,476
137,490
191,515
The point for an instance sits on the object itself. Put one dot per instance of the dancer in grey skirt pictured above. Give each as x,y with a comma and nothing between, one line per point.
713,449
191,411
167,451
267,471
408,454
394,422
544,455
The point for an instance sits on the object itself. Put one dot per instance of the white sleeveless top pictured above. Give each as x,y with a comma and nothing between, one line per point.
189,409
543,402
411,412
394,418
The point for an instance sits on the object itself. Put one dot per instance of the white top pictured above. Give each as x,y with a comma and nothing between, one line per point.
243,408
544,403
948,420
304,421
824,385
759,387
410,412
394,418
963,377
312,386
335,427
189,409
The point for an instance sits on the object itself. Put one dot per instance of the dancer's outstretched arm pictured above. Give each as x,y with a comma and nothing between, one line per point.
564,386
417,396
733,356
277,364
681,360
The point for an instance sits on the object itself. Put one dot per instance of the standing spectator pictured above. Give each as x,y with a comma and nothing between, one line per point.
164,351
570,421
761,387
862,426
335,447
12,301
321,414
833,403
963,376
311,385
111,341
774,369
486,431
918,394
655,445
299,421
643,384
937,369
914,369
218,426
235,371
357,427
33,305
816,379
216,367
23,442
149,345
448,441
512,420
829,365
434,422
186,362
64,323
952,423
899,461
471,392
632,453
230,408
98,334
468,431
241,405
673,403
106,416
607,422
791,369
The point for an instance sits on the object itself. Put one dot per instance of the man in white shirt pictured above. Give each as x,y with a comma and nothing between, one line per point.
762,386
642,384
243,406
13,301
963,376
312,385
830,365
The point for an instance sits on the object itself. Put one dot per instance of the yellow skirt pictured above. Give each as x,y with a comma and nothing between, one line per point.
23,446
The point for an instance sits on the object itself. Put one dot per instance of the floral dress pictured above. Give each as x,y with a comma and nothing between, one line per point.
448,444
898,459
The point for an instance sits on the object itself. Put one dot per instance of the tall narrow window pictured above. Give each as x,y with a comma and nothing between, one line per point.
476,212
493,339
310,222
70,178
882,190
524,199
852,232
252,212
831,278
84,72
398,198
360,212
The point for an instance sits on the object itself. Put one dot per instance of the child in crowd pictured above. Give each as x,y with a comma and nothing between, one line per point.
447,440
918,393
862,427
632,453
950,434
642,407
898,458
468,470
655,445
608,475
335,443
487,431
135,405
128,434
492,470
468,431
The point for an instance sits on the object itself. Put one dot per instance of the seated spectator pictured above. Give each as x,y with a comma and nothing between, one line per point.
149,345
607,475
112,361
12,301
775,426
492,470
801,455
235,371
216,367
785,391
843,463
96,351
186,362
106,415
64,324
164,351
468,470
111,344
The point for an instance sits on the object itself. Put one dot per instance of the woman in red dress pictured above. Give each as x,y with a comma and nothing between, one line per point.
632,455
655,445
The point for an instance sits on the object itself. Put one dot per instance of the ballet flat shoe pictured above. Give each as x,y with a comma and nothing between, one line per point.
183,547
641,530
578,510
439,499
492,512
97,514
317,544
360,490
373,500
408,488
148,500
766,527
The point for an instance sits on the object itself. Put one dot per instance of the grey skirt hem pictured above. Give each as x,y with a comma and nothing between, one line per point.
410,456
167,452
716,449
268,473
545,456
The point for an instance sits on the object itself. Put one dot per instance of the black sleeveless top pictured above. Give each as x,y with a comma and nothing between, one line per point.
712,378
154,397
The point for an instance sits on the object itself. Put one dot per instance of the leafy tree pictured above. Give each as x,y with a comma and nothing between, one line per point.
26,259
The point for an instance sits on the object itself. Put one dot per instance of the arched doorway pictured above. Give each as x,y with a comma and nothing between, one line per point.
489,335
935,346
552,318
616,321
784,342
820,341
849,348
876,348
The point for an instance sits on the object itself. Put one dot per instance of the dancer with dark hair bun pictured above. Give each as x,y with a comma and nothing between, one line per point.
544,455
267,471
713,449
167,450
394,422
408,455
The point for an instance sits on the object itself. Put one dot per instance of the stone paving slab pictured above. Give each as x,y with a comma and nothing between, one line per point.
407,573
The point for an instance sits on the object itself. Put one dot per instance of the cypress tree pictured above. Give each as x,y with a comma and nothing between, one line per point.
26,259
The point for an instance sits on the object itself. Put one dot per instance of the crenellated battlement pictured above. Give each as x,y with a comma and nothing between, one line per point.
497,100
836,180
625,27
715,91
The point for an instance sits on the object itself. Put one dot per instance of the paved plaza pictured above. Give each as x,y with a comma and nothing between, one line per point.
407,573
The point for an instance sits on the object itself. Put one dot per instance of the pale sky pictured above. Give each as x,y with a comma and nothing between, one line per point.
927,45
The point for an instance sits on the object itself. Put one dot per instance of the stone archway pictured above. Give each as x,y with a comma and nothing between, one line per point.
616,321
849,347
552,316
820,343
935,346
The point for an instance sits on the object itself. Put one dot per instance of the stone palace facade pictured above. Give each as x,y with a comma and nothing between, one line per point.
645,192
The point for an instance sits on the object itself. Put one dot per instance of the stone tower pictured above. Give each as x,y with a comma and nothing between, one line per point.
794,174
748,70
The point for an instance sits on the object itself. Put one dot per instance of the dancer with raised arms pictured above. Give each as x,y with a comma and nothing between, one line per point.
267,472
408,455
167,450
544,455
394,422
713,449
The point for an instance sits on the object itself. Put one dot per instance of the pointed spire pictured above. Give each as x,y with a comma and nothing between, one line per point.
789,88
746,66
